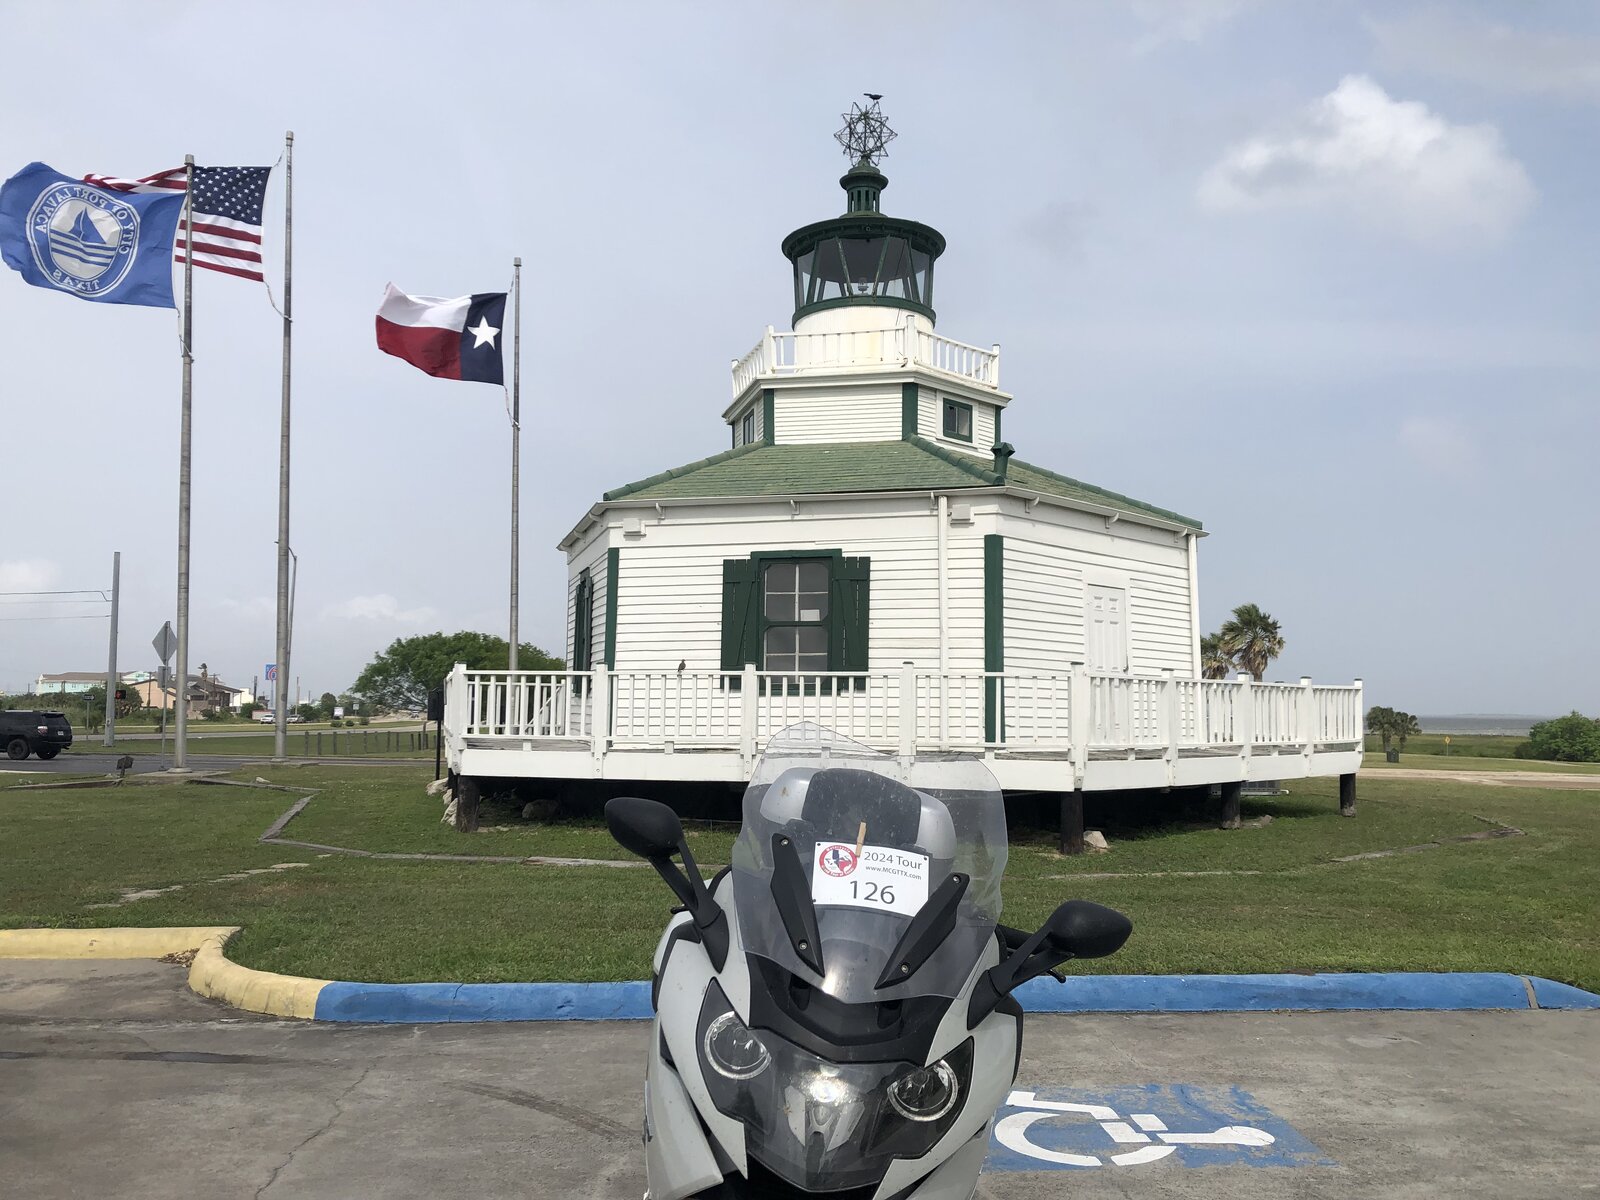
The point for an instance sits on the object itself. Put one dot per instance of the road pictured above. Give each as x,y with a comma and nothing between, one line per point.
116,1081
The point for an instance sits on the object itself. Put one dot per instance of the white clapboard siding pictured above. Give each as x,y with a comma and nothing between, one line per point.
818,414
755,407
669,603
1045,570
930,422
592,556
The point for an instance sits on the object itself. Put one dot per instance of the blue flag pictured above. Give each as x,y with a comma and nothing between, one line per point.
90,242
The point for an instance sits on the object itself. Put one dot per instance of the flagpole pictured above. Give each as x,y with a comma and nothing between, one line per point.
280,714
180,745
516,442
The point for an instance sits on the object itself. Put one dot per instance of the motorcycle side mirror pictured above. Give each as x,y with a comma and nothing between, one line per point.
647,828
1087,930
651,830
1077,929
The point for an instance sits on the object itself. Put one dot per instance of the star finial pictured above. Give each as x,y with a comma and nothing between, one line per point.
866,134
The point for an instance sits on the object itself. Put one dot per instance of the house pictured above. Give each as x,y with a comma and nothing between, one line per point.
68,683
206,694
870,553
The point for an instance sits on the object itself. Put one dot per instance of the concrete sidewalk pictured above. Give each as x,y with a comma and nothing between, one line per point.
117,1081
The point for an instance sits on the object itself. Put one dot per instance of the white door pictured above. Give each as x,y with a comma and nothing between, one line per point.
1105,631
1106,649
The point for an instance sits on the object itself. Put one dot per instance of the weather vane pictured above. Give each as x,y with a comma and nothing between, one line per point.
866,134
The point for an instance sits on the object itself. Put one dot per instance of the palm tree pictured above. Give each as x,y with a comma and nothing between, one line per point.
1252,638
1215,662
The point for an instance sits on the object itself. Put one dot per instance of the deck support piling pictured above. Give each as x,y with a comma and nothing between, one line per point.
1072,822
468,793
1230,804
1347,795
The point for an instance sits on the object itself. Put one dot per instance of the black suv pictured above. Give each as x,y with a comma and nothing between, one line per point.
46,734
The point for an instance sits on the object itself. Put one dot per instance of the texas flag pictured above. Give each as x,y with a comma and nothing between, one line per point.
450,339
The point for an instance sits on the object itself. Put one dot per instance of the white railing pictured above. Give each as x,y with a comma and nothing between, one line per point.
791,353
1075,712
520,704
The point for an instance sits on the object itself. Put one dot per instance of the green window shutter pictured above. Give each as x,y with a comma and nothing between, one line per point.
583,625
740,630
994,636
613,570
852,586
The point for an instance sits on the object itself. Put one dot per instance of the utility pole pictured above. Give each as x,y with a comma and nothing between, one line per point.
111,666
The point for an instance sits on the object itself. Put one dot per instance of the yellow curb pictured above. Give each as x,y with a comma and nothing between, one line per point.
106,943
213,975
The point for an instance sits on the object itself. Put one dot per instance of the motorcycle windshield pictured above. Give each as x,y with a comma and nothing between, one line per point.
869,842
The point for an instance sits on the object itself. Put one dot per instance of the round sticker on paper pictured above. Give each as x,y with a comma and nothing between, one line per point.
837,861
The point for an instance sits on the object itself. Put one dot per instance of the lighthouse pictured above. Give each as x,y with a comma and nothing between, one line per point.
866,551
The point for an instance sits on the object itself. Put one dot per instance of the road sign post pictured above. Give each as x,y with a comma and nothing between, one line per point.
164,643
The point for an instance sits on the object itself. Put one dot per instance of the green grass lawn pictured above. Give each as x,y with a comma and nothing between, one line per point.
1466,762
1529,905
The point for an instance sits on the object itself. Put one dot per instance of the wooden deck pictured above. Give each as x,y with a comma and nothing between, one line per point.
1074,730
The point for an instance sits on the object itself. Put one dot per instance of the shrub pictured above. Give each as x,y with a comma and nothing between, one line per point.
1572,738
365,720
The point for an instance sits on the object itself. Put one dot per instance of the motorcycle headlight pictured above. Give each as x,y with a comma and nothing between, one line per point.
925,1094
732,1050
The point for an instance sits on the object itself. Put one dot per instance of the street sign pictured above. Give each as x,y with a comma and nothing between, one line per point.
161,678
165,642
271,672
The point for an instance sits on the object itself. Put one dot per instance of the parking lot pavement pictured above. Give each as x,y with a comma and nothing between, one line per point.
114,1081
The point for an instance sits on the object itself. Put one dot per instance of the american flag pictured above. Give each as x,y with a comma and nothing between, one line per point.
227,213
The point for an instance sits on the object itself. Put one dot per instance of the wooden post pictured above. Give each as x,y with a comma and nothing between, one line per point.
1072,822
907,719
1347,795
1080,720
1230,804
468,793
599,716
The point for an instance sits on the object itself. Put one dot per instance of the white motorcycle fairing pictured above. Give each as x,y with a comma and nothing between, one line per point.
691,1148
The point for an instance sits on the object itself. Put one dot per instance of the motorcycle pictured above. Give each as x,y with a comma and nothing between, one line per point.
834,1011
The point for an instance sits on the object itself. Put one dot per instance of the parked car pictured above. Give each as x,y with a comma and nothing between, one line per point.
46,734
264,717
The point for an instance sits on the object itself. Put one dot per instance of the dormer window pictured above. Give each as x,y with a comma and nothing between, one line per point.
958,420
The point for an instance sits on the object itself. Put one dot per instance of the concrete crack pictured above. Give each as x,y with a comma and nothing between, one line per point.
338,1111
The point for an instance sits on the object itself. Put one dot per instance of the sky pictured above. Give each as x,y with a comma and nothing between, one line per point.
1319,274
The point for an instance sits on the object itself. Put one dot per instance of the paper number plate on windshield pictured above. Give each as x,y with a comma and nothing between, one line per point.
879,877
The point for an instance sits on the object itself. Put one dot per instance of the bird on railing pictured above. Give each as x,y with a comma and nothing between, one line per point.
682,663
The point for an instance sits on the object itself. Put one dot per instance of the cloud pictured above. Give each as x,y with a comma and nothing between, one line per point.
1439,445
1183,20
28,575
1060,229
379,607
1456,46
1390,163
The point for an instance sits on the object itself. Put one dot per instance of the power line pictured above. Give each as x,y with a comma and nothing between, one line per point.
90,617
101,592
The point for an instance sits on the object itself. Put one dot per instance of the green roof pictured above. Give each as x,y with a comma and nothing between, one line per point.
899,466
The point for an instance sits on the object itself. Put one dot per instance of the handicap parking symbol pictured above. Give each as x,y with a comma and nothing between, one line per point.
1053,1129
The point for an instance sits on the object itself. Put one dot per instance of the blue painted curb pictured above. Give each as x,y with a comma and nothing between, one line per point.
1547,993
407,1003
1457,991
